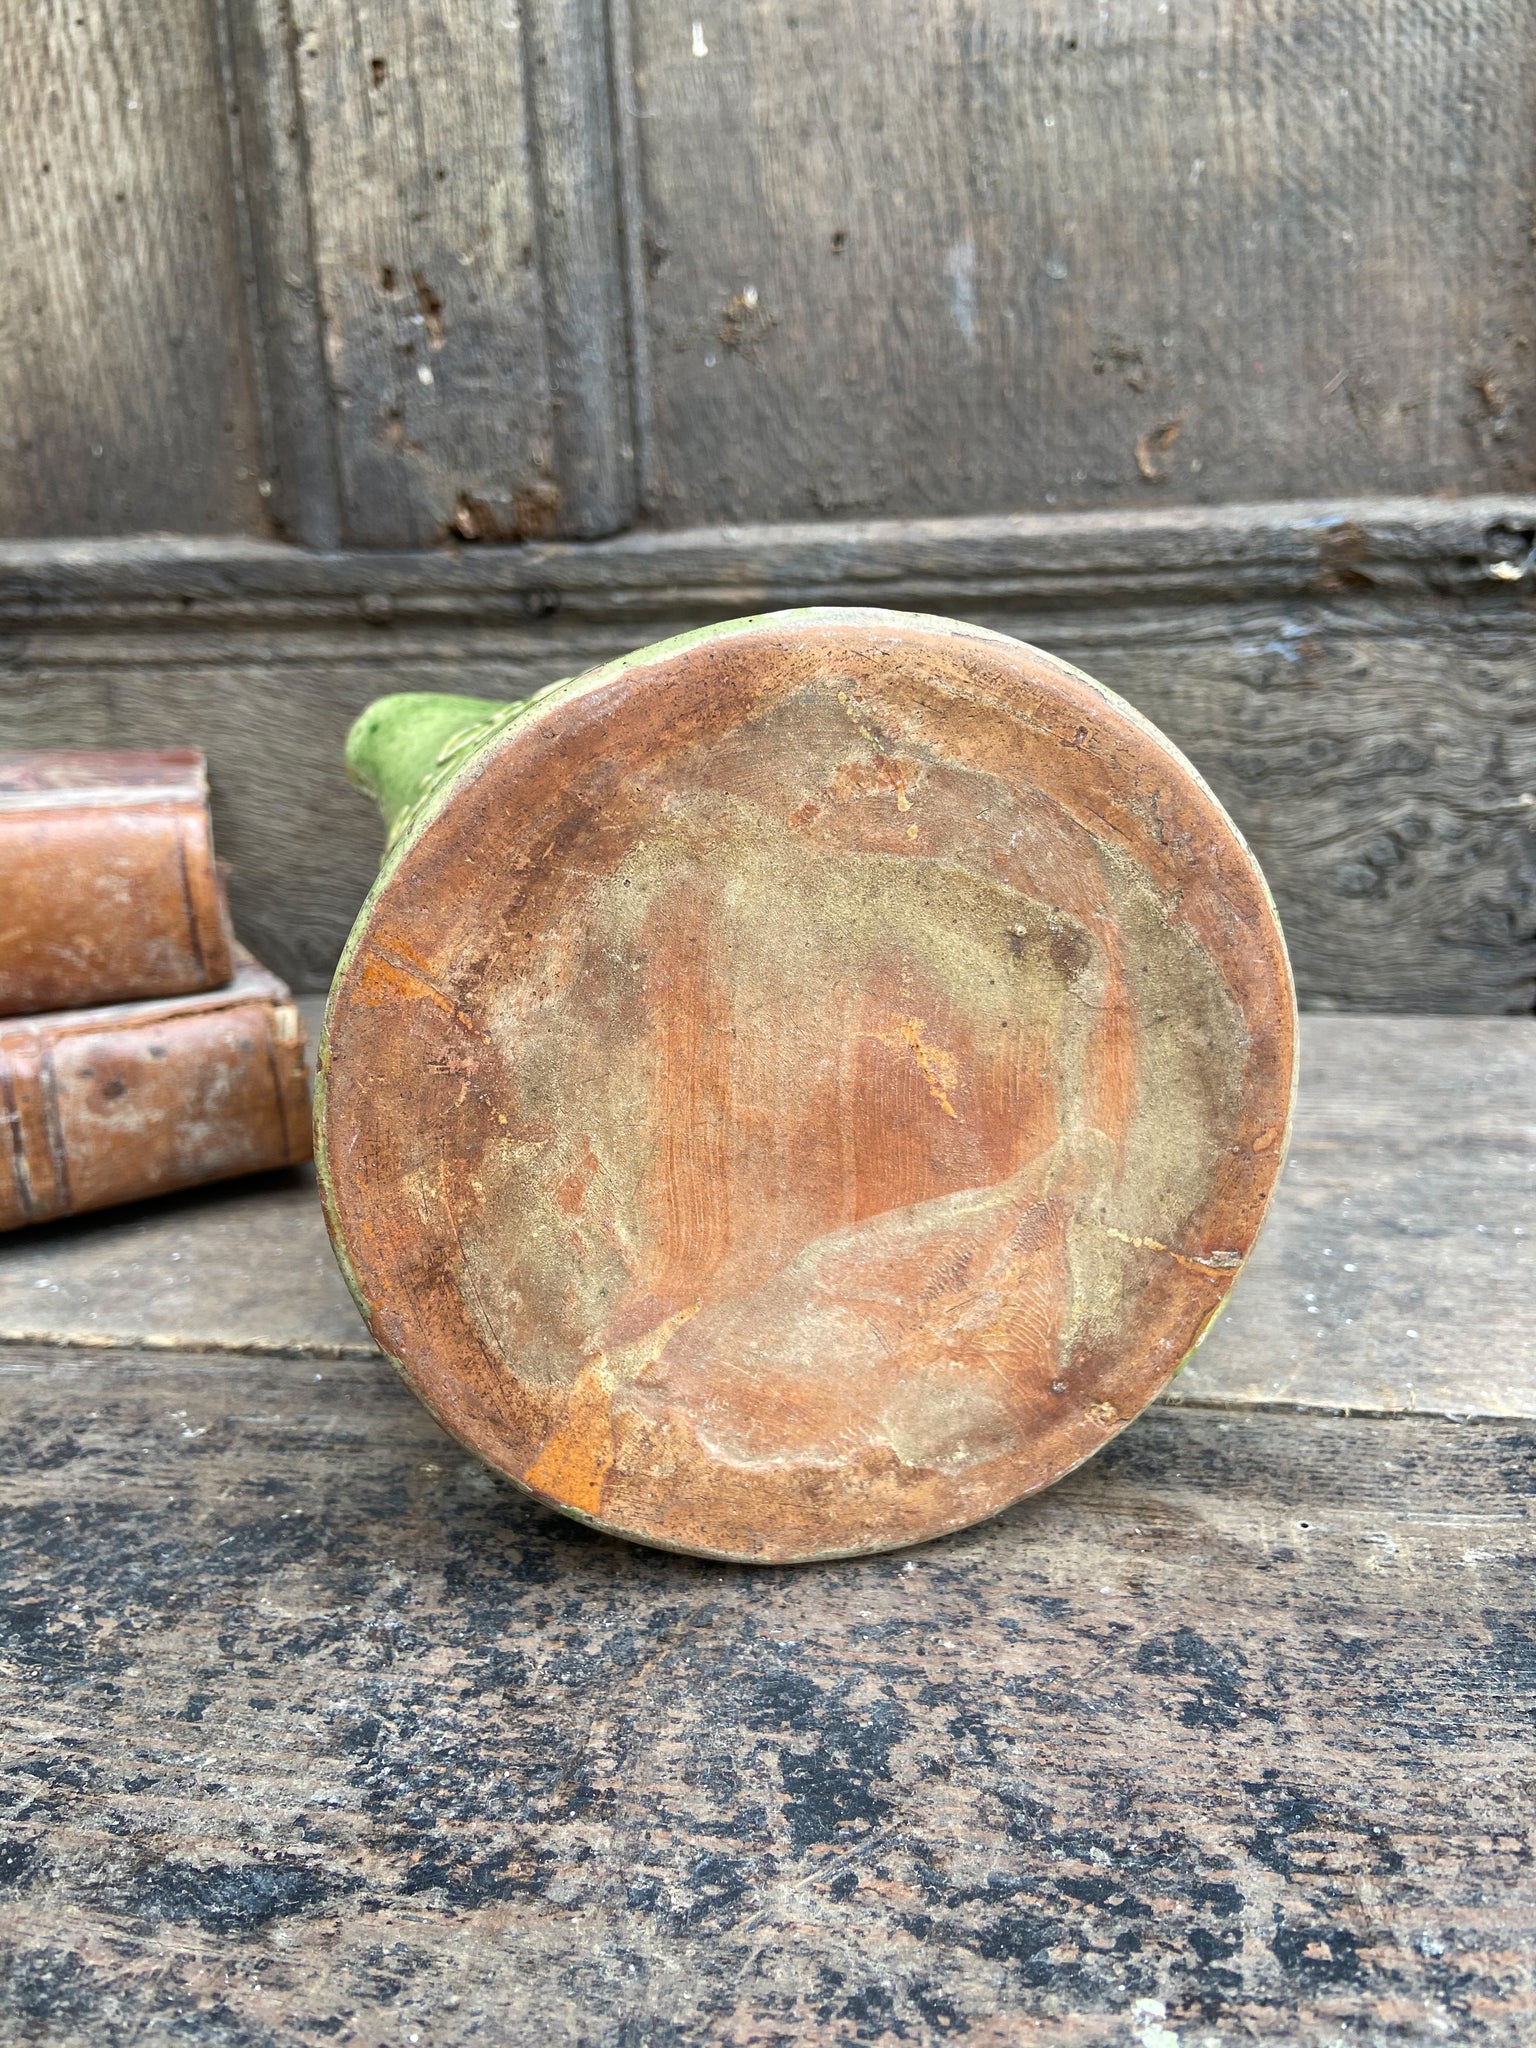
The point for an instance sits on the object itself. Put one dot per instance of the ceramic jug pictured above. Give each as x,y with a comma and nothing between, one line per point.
801,1087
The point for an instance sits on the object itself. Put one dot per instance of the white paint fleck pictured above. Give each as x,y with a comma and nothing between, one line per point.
1147,2016
961,266
423,374
700,47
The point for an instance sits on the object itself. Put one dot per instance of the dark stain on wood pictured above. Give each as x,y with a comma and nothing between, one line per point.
321,1734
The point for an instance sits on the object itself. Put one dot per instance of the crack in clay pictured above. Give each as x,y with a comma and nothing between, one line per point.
627,1362
842,698
1211,1262
413,984
936,1066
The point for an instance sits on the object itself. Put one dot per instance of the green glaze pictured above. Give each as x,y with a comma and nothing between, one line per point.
402,747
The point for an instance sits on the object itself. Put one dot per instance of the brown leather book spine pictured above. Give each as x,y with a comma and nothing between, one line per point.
110,891
112,1105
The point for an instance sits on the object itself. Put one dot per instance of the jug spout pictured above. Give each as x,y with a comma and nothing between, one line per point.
401,746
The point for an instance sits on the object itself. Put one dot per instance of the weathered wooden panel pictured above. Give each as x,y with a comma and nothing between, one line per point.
950,257
267,137
125,389
1384,772
1364,700
317,1732
1387,816
581,260
1397,1272
241,1266
465,223
423,208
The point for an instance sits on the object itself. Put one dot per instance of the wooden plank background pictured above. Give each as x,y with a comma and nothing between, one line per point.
420,192
316,1730
963,255
126,397
922,258
1362,696
423,282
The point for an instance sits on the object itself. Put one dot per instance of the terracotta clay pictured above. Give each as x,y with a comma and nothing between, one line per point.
798,1089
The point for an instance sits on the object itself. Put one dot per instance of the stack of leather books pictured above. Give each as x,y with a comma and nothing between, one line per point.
141,1048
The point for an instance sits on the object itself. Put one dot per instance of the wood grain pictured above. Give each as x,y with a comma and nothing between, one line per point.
1397,1272
269,154
125,383
426,247
581,262
244,1267
1388,818
318,1733
1368,552
945,259
959,257
1351,679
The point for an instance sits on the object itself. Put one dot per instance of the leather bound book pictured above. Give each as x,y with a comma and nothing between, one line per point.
108,888
112,1104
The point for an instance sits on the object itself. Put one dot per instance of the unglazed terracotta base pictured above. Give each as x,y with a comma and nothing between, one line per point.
803,1087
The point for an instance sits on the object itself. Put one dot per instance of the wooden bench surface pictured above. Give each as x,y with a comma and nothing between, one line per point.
319,1733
